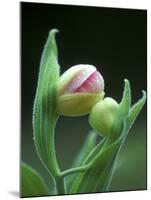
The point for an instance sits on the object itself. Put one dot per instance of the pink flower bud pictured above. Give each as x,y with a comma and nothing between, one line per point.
79,88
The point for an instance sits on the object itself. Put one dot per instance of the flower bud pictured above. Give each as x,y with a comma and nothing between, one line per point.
102,116
79,88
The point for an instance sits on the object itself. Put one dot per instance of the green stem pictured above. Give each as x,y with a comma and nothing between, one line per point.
53,159
75,170
60,185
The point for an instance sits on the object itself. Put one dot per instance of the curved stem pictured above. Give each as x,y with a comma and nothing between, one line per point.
75,170
54,166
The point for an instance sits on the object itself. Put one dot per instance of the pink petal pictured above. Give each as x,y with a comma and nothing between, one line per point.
80,79
93,84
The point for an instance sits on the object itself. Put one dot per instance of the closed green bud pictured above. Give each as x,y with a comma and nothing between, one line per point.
102,116
79,88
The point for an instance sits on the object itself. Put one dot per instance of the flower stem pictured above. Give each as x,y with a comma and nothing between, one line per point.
60,185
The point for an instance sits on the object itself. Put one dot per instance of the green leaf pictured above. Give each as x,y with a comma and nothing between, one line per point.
44,111
95,151
87,147
32,184
88,159
97,177
126,100
122,113
134,111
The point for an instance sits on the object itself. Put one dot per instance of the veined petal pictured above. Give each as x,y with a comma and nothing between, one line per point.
93,84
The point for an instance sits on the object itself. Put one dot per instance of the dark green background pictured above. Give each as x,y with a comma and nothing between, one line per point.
113,40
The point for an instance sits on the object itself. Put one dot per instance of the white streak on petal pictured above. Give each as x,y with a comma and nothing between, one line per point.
80,78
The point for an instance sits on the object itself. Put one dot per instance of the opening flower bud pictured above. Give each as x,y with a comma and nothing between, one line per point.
102,116
79,88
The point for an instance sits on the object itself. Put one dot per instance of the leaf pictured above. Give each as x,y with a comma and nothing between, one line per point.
95,151
126,99
97,177
134,111
87,147
32,184
122,113
44,111
88,159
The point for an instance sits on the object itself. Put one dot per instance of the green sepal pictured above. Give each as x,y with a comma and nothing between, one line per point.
83,102
32,184
44,111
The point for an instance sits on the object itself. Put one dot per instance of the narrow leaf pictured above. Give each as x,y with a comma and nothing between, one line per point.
134,112
122,113
97,177
44,111
126,99
95,151
89,159
32,184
